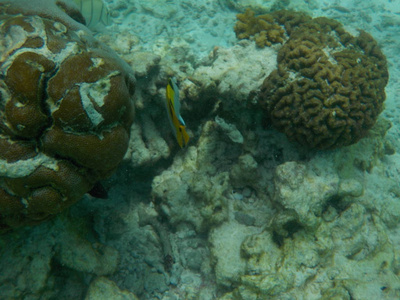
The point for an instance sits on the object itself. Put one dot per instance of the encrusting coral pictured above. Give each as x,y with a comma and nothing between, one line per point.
268,29
264,29
66,110
329,87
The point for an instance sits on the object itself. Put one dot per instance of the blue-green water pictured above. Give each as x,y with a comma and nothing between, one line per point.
242,212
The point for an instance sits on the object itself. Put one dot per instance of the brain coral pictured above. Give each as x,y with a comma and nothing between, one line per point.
65,110
262,28
328,89
268,29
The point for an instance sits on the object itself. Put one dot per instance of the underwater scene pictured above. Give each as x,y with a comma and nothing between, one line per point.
199,149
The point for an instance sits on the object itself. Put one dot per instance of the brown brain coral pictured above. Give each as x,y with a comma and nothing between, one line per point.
329,87
65,110
268,29
263,29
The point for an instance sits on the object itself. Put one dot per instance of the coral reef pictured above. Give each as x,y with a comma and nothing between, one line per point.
241,213
268,29
66,110
369,151
183,190
329,87
265,6
65,252
323,227
265,31
102,288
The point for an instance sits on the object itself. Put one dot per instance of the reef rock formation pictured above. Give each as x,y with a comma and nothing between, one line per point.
329,87
66,110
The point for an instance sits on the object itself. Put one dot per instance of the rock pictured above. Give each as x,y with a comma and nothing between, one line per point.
102,288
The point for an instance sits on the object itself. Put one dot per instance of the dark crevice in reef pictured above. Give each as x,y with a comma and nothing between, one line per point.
138,179
67,283
337,203
291,228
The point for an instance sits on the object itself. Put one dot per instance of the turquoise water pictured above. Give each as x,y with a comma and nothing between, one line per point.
241,212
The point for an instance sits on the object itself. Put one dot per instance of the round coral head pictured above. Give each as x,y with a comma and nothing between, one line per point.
65,110
329,87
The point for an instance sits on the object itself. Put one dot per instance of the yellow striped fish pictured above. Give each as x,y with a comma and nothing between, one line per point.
173,111
94,11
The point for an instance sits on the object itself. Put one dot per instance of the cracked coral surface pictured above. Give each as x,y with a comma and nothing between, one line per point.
65,110
329,87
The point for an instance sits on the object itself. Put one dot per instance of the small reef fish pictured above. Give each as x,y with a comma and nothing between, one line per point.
173,111
95,12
